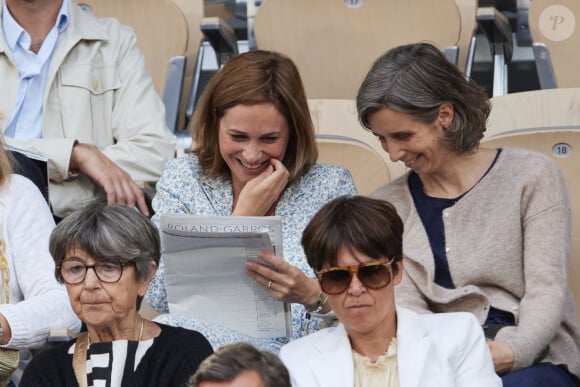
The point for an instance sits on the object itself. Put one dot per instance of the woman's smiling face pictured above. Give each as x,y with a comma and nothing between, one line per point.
415,143
249,136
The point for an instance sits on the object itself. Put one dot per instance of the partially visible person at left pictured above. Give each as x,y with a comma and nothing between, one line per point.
241,365
106,256
31,301
76,90
355,246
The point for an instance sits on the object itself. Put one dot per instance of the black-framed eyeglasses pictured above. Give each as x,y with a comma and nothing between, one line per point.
74,272
374,275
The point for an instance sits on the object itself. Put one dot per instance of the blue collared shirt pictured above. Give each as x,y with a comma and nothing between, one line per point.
26,121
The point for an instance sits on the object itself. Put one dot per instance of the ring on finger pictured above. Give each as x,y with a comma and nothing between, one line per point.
269,284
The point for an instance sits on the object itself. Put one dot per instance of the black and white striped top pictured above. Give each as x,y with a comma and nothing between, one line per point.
111,362
165,361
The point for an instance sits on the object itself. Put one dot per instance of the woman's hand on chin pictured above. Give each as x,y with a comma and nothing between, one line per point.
284,281
260,194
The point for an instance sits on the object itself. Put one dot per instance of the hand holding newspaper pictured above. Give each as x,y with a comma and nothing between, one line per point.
205,271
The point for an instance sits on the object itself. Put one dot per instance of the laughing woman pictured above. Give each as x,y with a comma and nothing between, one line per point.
254,155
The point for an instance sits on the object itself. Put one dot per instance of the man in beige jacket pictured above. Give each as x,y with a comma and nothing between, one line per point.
76,90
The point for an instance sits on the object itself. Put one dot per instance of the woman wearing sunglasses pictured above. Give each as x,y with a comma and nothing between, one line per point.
354,244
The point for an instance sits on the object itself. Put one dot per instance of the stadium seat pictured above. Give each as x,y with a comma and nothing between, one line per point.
367,168
547,121
193,11
554,108
335,42
466,43
338,117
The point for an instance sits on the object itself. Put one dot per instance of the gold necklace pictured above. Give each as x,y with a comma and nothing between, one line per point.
141,329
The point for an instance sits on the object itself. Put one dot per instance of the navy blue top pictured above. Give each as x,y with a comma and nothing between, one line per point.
430,210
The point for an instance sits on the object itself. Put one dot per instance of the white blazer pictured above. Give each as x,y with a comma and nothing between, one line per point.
437,350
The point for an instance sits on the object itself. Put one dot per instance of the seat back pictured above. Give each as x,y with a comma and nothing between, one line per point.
334,45
530,123
556,40
552,108
193,11
367,168
338,117
467,11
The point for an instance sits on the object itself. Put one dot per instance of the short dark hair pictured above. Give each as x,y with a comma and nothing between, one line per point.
367,225
416,79
231,360
108,233
251,78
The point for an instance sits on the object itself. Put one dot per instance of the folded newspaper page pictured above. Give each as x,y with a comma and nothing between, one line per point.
205,271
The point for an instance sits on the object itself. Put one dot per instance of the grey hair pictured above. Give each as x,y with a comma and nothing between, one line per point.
416,79
231,360
108,233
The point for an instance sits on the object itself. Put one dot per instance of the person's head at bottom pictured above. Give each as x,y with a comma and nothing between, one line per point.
241,365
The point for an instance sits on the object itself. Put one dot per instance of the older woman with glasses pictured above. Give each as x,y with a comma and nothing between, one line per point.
106,256
354,244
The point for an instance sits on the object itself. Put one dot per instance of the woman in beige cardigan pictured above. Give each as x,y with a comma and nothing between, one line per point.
486,230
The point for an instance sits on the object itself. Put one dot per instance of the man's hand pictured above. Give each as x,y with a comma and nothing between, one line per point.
118,185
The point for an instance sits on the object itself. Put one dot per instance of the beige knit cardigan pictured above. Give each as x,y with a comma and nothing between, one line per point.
507,242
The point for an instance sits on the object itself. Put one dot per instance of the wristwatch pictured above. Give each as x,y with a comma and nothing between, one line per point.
319,304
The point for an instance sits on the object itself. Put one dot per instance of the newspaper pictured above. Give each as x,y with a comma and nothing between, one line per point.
205,271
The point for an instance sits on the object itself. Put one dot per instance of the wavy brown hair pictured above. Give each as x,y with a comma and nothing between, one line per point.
252,78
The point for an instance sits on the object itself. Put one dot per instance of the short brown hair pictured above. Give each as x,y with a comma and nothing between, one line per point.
252,78
416,79
367,225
